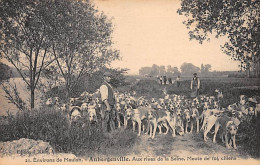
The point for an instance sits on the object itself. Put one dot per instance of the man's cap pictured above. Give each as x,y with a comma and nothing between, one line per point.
195,74
107,74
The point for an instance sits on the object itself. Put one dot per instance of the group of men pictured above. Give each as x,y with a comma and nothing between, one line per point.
195,83
163,80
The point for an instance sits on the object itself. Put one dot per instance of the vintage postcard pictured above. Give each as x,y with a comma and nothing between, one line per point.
129,82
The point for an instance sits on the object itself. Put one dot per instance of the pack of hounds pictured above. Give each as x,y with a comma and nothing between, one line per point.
172,113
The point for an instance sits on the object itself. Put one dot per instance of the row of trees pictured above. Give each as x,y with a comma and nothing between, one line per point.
157,70
185,68
64,38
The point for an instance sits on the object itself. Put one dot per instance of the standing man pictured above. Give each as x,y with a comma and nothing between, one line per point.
170,80
108,101
178,80
161,80
195,85
164,80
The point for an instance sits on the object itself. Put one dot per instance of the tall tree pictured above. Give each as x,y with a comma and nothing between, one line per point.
189,68
155,70
162,70
205,69
169,70
23,39
82,40
145,71
236,19
176,71
70,35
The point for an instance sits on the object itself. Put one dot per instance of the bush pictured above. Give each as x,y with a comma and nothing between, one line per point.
52,126
248,136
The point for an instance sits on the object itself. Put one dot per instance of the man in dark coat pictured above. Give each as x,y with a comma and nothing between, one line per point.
164,80
170,80
195,86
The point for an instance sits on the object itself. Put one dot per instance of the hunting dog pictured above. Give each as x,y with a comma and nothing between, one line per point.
91,120
179,122
49,102
137,116
74,115
219,94
187,120
210,117
92,115
163,118
151,116
120,114
229,126
194,118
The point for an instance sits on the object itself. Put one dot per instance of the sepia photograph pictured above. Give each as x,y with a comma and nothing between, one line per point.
129,82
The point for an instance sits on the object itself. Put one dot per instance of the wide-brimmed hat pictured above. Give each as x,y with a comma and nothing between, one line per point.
107,74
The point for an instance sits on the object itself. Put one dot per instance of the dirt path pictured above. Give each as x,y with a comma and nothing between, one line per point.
187,149
189,145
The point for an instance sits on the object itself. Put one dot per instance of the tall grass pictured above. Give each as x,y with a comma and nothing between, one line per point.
52,126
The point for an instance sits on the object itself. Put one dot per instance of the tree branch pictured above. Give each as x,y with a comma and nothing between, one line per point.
39,72
57,61
36,61
19,71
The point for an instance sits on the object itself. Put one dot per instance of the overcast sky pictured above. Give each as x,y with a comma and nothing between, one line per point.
151,32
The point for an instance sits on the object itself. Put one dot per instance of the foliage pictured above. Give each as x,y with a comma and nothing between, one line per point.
82,41
189,68
172,71
71,36
5,72
51,126
24,39
205,69
144,70
156,70
13,96
89,83
248,136
237,20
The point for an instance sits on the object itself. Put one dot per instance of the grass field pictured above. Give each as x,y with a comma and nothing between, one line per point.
231,87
